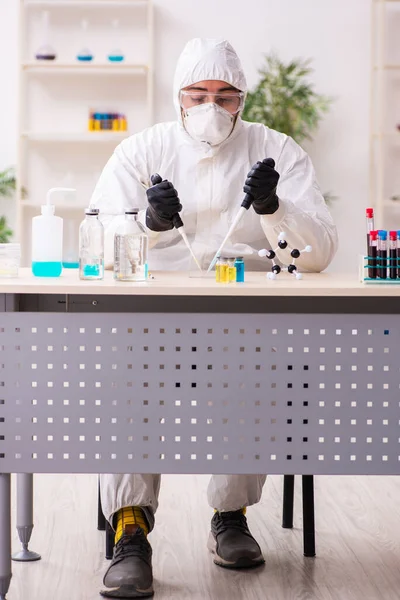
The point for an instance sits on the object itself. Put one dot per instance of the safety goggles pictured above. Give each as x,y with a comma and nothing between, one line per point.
233,102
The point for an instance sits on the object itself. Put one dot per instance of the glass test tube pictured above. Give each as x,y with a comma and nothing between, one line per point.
370,227
382,254
398,254
393,254
372,262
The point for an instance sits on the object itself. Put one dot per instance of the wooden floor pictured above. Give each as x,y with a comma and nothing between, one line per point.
358,549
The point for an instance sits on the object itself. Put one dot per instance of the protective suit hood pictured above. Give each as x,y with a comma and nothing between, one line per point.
203,59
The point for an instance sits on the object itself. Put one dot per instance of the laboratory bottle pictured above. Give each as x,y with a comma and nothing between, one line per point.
91,246
47,239
239,264
232,270
130,249
217,269
224,270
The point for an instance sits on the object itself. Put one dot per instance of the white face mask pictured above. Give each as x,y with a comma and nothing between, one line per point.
208,123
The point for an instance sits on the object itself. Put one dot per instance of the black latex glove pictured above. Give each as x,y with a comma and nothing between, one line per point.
164,204
261,184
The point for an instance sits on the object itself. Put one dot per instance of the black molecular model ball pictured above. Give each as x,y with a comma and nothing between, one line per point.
292,268
295,253
276,269
282,244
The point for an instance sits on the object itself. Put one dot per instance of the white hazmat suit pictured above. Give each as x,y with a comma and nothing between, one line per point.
209,181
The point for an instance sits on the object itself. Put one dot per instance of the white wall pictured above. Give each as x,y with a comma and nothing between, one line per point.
336,33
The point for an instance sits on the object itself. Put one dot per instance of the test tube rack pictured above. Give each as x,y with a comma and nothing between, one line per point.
366,266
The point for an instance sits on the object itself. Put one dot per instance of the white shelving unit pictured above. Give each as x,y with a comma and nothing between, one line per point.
385,113
55,147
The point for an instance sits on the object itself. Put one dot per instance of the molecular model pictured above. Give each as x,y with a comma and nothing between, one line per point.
294,253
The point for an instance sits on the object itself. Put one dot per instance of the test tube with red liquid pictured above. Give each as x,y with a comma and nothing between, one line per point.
392,254
382,254
370,227
373,253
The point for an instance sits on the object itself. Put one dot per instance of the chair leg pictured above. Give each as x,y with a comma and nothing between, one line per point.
109,541
308,515
288,501
101,520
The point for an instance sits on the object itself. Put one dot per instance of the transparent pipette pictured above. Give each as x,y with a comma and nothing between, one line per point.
232,228
247,202
178,223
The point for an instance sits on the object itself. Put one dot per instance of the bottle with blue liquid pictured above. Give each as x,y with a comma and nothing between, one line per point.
47,239
91,246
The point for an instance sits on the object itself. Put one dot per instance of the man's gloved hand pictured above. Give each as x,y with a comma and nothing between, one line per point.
164,204
261,184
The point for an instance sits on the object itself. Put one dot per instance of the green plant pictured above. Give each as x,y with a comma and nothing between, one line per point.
7,188
284,100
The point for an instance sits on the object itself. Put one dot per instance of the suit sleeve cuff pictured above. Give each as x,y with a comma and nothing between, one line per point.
276,218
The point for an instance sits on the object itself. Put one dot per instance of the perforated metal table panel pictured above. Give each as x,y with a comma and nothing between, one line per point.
197,393
213,384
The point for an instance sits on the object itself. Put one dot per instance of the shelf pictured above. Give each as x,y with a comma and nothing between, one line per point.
394,135
82,3
58,205
394,67
95,137
85,69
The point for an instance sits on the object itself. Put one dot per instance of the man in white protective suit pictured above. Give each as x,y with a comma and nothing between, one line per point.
211,158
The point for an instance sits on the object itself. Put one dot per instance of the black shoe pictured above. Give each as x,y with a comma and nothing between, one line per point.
130,573
231,542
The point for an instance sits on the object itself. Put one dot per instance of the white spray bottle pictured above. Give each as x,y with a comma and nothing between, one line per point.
47,239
